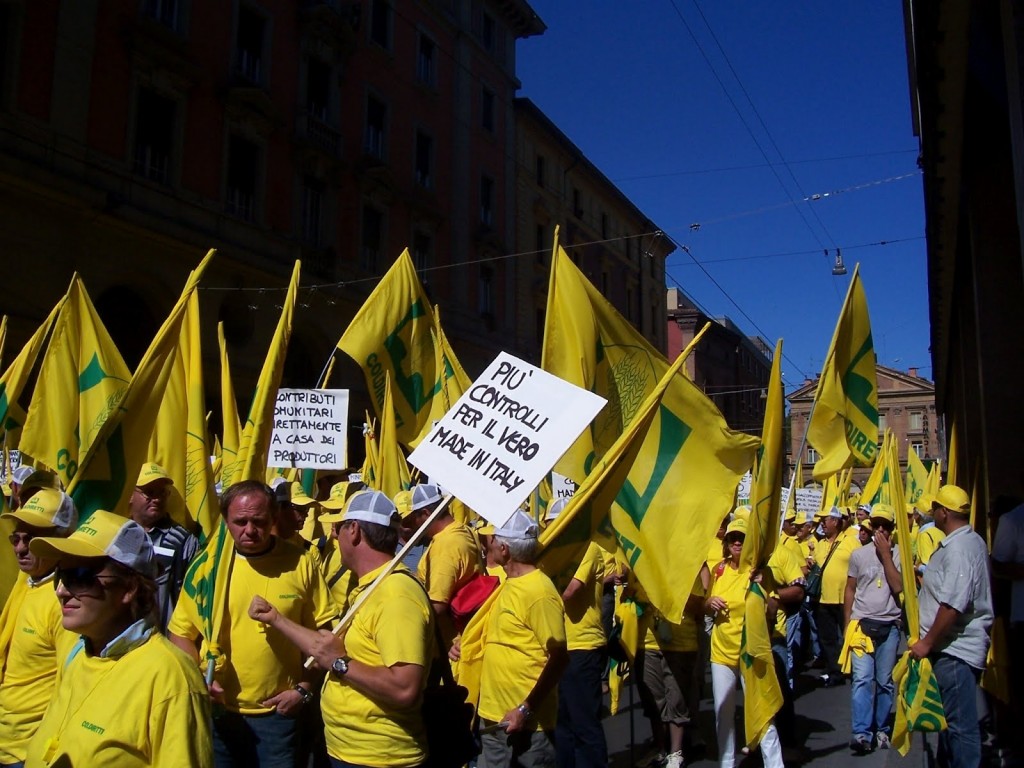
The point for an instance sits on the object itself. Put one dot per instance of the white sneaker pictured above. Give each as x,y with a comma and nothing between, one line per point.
674,760
882,740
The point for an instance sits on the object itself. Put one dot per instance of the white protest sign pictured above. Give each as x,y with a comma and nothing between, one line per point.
808,500
562,487
310,429
743,490
504,434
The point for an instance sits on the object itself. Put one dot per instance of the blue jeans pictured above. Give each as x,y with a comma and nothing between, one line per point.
873,689
254,741
794,627
579,737
960,743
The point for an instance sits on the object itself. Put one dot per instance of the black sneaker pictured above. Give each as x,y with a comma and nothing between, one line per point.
860,745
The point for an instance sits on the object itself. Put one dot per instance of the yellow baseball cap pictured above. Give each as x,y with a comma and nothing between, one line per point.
924,503
883,511
741,513
953,498
341,493
403,503
739,525
299,497
151,473
46,509
104,534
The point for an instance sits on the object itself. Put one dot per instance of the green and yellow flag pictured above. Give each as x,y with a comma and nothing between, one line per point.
179,442
111,465
392,473
371,460
684,478
254,443
917,477
12,417
951,455
232,427
394,334
918,702
82,379
844,423
763,696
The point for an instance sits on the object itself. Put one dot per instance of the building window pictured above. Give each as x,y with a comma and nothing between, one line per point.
918,448
916,422
422,251
486,200
165,12
812,455
881,422
376,127
372,240
243,172
486,303
312,210
577,203
154,135
540,171
604,225
487,110
542,243
426,61
424,160
488,32
380,23
318,89
249,43
540,326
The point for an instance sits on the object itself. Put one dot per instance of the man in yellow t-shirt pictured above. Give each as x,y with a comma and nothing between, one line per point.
832,554
33,642
784,581
579,737
262,684
452,558
928,539
371,700
524,655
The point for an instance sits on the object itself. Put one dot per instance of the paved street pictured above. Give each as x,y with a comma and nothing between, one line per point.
823,725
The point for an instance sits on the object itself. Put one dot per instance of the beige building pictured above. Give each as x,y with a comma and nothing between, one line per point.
906,405
619,249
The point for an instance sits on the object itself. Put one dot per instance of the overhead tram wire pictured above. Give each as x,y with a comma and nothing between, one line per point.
875,244
685,249
750,132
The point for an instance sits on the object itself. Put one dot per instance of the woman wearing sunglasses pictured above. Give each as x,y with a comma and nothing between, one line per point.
725,602
126,696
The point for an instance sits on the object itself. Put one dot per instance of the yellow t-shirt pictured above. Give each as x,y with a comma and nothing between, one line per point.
340,580
38,645
451,560
526,618
583,628
794,546
260,661
727,631
784,568
148,707
927,542
833,578
394,626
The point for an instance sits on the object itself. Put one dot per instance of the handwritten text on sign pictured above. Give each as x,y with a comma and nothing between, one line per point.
310,429
504,434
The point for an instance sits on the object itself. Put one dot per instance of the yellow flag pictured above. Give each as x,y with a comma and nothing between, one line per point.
254,443
232,428
16,376
763,696
934,481
393,471
684,478
179,441
371,460
3,338
917,477
393,333
585,517
109,468
951,455
844,423
81,381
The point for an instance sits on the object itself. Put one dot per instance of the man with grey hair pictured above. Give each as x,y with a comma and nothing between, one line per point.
32,641
955,607
524,656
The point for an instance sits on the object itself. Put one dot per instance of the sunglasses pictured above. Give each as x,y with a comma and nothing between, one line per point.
162,491
81,579
20,538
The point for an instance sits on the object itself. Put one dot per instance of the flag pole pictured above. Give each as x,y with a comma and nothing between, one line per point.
412,542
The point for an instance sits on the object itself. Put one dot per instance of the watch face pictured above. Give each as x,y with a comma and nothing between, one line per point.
340,666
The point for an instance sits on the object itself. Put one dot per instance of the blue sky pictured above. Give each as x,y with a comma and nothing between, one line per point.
828,105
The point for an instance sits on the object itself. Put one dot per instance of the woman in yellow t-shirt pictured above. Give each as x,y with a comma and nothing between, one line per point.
725,602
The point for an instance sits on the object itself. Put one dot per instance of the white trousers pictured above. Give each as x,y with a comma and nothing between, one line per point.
723,682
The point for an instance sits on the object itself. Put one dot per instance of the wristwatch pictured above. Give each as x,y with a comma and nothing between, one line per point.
340,666
307,695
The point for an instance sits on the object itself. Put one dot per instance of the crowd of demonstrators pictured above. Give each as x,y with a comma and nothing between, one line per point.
113,591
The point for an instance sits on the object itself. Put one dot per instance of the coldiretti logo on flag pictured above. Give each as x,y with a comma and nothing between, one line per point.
844,425
393,334
682,482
